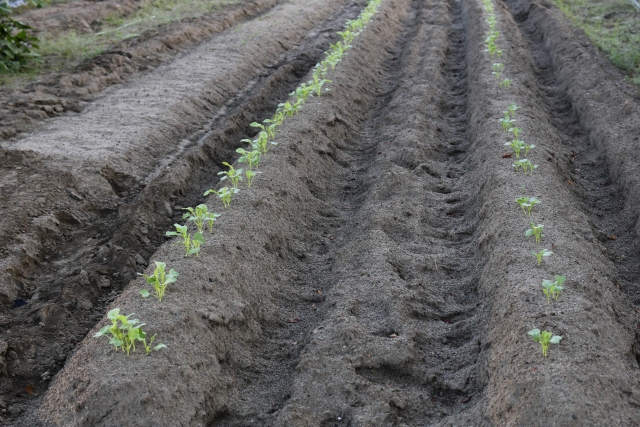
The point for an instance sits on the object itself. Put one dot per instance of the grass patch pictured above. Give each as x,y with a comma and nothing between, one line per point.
613,25
65,50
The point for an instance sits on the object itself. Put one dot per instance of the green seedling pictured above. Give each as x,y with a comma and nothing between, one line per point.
512,108
251,158
278,118
527,204
544,338
159,280
303,92
201,214
517,146
250,175
516,131
492,49
268,126
541,254
535,231
182,231
225,194
497,69
505,84
147,347
288,108
347,35
125,332
196,241
528,147
262,143
507,123
321,70
525,164
552,289
233,175
317,84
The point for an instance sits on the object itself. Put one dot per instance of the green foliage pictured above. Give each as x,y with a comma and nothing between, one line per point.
250,175
544,338
225,194
505,84
506,122
233,175
159,280
552,288
16,43
516,131
251,158
535,231
126,332
191,244
613,26
199,215
525,164
527,204
543,253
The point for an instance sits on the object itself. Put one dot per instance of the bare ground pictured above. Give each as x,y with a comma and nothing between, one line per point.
376,273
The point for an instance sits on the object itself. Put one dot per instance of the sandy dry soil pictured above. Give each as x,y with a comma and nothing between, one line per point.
375,274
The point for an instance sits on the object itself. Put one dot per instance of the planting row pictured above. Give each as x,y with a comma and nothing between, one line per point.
551,289
125,333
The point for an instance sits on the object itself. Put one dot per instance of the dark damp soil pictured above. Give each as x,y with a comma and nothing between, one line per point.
377,272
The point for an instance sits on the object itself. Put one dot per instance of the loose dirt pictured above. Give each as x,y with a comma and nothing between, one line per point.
377,271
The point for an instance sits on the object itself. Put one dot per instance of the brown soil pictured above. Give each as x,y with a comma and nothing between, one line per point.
26,105
77,15
376,274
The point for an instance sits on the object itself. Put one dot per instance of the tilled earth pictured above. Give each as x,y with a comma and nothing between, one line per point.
375,274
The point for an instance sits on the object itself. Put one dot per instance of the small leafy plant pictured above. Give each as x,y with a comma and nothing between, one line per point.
543,253
517,146
182,231
262,143
497,69
512,108
544,338
251,158
225,194
527,204
552,289
516,131
525,164
126,332
200,214
505,83
535,231
196,242
160,279
233,175
506,122
250,175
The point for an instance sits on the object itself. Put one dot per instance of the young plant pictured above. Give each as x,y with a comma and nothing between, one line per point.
302,92
498,68
262,143
516,131
160,279
535,231
517,147
512,108
250,175
541,254
233,175
269,126
199,215
125,332
182,231
506,122
317,83
225,194
525,164
527,204
505,84
196,241
544,338
251,158
552,289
